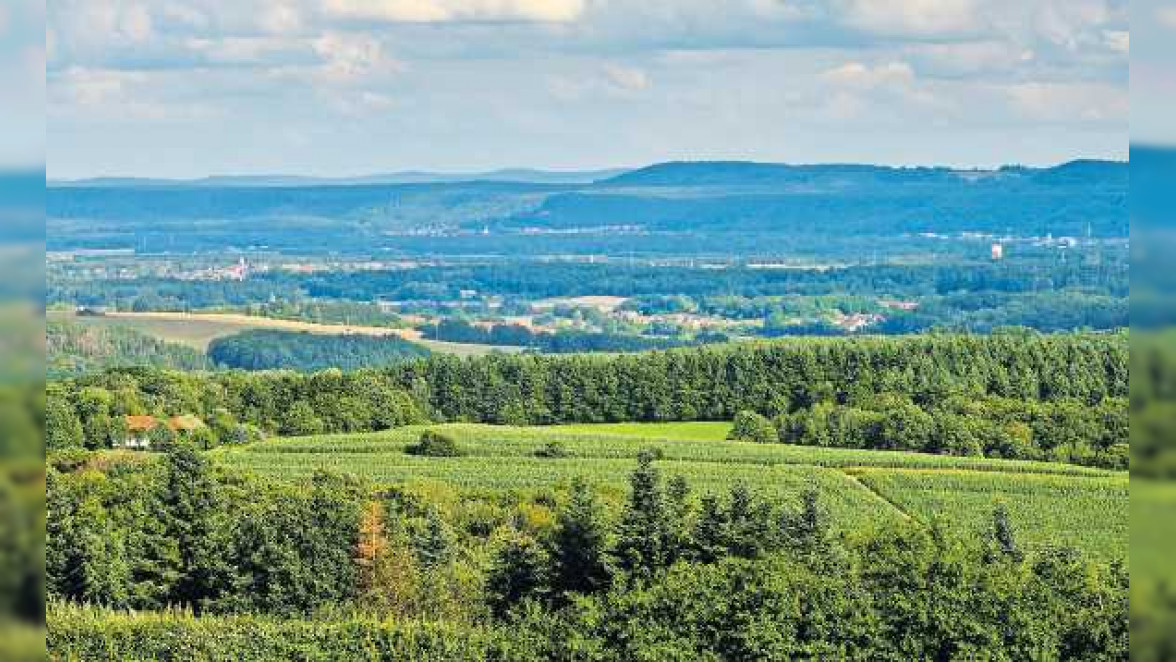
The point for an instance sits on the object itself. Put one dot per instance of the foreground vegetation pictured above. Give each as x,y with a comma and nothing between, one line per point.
1050,503
644,520
665,572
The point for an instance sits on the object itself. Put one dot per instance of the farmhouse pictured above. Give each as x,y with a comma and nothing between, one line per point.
139,429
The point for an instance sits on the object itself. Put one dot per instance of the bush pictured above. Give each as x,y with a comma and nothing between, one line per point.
435,444
553,450
750,426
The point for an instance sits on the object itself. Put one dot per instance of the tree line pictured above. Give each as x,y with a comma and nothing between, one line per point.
703,383
565,341
73,349
1065,430
268,349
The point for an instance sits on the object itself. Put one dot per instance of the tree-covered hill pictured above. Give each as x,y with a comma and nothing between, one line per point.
733,199
264,349
74,349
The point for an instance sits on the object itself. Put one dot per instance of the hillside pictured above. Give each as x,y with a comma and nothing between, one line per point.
763,205
74,349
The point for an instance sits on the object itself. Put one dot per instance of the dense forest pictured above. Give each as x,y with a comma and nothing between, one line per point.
265,349
560,342
665,574
74,349
710,383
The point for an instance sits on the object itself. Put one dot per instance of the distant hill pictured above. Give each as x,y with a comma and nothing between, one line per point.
839,200
746,173
524,175
734,206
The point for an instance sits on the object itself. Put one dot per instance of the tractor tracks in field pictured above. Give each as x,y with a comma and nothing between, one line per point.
853,478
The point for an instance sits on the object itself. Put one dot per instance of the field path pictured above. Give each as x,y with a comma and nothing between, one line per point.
877,495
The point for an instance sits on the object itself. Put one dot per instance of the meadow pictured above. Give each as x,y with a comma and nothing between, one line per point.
1049,503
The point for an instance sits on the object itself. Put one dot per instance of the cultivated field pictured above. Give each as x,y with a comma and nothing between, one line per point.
197,330
1049,503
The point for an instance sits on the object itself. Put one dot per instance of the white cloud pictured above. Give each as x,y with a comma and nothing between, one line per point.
430,11
81,87
352,57
1069,102
918,18
626,78
134,23
969,58
864,76
281,18
610,80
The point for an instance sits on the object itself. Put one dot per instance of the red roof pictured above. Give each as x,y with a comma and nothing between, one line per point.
140,423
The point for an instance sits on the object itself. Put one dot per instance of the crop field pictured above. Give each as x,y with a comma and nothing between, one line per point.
1089,512
1049,503
197,330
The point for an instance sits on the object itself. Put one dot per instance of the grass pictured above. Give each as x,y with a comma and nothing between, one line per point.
690,430
1048,502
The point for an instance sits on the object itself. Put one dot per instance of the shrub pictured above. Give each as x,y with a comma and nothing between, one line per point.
554,450
435,444
750,426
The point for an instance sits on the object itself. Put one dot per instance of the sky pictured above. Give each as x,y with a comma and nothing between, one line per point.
189,88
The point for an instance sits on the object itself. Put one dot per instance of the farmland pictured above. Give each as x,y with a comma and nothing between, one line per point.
197,330
1049,503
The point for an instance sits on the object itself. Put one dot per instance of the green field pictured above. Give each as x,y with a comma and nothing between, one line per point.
1049,503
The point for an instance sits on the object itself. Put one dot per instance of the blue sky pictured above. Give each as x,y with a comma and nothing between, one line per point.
186,88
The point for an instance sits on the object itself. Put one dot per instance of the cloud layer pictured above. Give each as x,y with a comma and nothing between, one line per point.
191,87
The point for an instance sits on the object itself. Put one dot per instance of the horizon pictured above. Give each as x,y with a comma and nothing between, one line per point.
343,178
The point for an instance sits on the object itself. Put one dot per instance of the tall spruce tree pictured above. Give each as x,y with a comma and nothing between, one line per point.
641,534
579,545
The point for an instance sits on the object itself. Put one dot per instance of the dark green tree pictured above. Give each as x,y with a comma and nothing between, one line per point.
579,545
641,534
712,530
518,571
434,545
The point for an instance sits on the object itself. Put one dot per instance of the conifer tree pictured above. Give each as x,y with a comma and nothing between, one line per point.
642,532
711,531
518,572
433,544
579,546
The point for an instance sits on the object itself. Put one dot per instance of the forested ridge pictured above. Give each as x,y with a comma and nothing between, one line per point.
707,383
73,349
